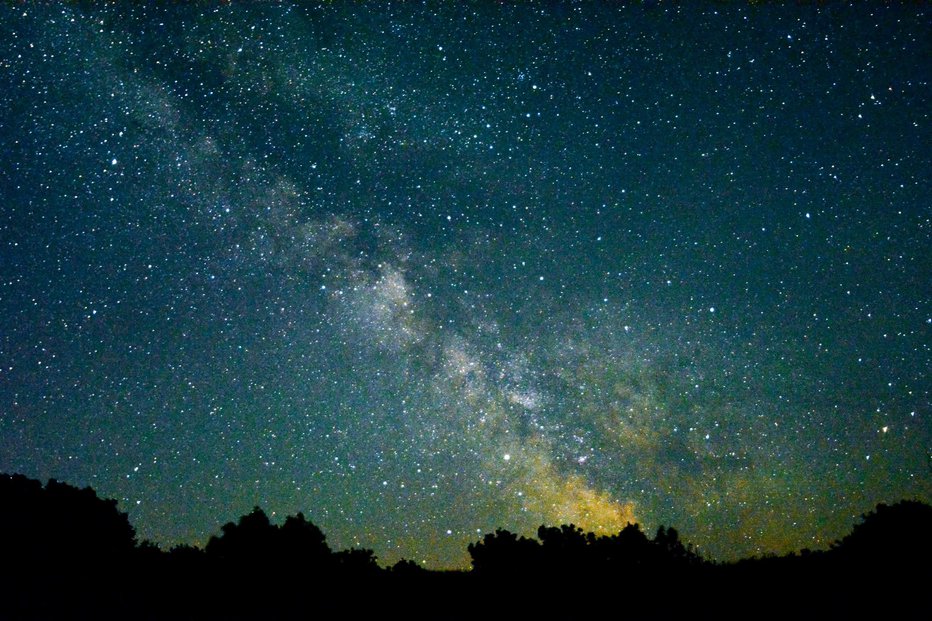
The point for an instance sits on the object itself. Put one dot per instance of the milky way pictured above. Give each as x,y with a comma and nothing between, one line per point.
421,271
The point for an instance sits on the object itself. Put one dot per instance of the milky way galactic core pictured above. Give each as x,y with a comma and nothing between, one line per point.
422,270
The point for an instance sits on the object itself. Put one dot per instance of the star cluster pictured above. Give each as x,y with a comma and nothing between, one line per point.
425,270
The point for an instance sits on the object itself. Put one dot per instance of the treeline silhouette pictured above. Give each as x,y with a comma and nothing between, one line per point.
66,553
568,549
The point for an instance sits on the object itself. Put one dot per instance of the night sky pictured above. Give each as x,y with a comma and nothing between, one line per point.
425,270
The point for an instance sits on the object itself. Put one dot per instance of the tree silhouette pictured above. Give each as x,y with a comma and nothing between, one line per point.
359,562
898,533
185,554
564,548
505,552
250,541
407,568
567,549
672,550
254,541
302,539
69,554
629,549
60,524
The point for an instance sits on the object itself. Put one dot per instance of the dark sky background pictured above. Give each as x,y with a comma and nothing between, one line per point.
425,270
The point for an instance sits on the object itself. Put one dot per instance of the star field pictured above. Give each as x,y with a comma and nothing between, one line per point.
425,270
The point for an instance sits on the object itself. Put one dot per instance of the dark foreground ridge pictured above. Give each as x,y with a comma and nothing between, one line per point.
68,554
